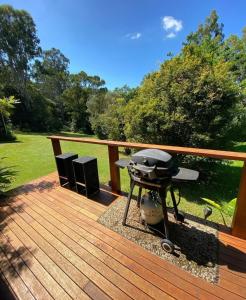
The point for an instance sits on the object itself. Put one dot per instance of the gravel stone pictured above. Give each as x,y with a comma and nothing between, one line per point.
196,244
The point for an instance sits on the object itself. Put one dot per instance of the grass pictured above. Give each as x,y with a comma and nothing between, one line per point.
31,156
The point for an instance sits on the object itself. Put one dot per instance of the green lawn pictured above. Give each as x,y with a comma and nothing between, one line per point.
31,156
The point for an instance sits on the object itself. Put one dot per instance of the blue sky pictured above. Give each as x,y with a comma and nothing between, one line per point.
121,41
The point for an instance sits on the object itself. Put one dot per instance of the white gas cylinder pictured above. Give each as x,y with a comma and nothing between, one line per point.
150,209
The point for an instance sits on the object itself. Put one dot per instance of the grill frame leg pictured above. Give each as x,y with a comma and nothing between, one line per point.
129,198
163,195
175,207
139,196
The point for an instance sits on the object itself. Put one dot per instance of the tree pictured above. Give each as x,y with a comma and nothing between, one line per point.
19,45
42,113
113,120
210,31
188,102
191,100
234,52
6,108
107,112
81,88
97,105
51,76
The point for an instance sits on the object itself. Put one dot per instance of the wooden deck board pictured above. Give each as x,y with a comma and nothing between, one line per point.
165,285
13,278
53,248
60,285
94,292
28,274
102,256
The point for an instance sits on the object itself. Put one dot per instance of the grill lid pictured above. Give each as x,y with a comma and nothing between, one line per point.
152,157
154,164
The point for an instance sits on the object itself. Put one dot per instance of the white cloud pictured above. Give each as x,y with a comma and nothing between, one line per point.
171,35
172,26
134,36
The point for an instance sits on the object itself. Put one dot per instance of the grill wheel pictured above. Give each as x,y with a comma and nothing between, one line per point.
167,245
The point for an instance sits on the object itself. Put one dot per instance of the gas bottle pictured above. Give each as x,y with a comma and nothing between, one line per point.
150,208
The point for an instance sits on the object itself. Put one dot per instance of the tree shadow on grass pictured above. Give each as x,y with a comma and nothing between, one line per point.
62,133
70,134
10,142
7,173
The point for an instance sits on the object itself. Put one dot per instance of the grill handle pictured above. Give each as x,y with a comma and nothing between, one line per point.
145,171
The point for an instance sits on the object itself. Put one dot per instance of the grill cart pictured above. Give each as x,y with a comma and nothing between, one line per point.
155,170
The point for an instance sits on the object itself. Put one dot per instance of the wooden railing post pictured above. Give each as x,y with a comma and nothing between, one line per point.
239,218
56,146
113,155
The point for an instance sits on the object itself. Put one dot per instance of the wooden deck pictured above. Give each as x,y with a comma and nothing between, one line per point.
53,248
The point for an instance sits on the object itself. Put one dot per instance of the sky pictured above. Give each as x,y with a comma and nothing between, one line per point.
121,41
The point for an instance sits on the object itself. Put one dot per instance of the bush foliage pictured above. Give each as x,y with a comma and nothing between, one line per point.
189,101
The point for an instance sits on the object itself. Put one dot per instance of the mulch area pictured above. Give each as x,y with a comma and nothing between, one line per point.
196,244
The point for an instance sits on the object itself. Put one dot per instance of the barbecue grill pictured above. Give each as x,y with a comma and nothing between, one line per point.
156,170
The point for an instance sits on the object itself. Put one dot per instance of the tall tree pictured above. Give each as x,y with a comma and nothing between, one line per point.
107,112
6,109
211,30
81,88
51,75
234,51
190,101
19,45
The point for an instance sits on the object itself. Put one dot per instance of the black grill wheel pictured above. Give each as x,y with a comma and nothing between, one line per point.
167,245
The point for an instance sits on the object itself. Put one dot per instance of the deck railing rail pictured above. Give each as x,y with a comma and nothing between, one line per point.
239,218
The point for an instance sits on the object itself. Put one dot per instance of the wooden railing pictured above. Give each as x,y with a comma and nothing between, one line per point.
239,218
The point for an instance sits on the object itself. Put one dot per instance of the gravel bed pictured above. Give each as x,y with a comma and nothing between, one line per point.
196,245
